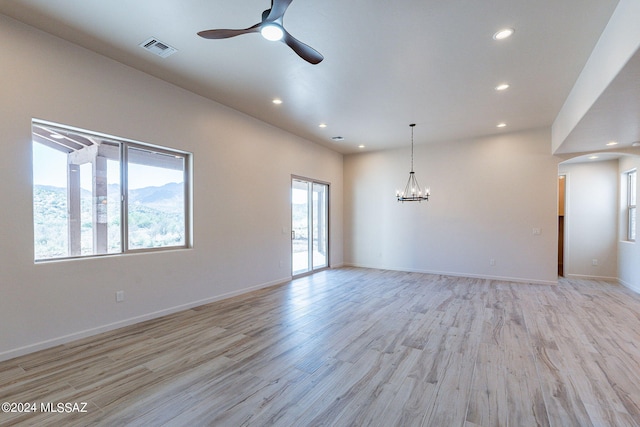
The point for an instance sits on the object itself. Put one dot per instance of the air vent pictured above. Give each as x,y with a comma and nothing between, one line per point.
161,49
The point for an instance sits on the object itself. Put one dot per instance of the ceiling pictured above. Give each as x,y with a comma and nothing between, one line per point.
387,64
614,115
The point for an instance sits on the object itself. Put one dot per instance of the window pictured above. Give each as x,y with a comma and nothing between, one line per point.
96,195
631,205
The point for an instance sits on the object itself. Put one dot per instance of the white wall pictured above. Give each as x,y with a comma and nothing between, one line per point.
487,196
591,219
628,252
241,185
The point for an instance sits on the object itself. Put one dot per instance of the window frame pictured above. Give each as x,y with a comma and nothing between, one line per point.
632,223
124,146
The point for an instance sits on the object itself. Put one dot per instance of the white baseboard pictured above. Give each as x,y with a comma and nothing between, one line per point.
588,277
469,275
42,345
634,288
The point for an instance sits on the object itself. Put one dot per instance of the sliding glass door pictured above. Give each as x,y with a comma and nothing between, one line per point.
309,225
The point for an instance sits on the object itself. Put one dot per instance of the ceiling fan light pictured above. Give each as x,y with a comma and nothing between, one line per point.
272,32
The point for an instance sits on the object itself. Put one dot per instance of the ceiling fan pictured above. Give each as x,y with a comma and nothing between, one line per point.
272,29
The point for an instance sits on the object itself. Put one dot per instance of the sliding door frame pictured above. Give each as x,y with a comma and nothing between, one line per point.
311,181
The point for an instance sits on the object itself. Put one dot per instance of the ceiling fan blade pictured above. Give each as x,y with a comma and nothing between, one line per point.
304,51
225,34
278,8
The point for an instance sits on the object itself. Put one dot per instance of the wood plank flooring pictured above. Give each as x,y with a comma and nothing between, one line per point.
356,347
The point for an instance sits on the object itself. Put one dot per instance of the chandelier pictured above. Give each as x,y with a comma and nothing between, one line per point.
412,191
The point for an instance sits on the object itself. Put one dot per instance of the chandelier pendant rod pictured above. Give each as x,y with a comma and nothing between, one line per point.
412,126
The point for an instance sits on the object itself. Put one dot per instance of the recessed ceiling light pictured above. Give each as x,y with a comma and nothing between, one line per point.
361,146
56,136
277,101
501,87
501,125
612,143
337,138
593,157
322,125
504,33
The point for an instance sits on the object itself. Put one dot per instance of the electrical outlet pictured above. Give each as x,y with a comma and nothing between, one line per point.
119,296
492,261
594,262
537,231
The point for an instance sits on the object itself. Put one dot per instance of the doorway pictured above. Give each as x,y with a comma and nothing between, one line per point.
562,186
309,225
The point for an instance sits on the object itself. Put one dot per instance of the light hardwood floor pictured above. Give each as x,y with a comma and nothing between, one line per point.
356,347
